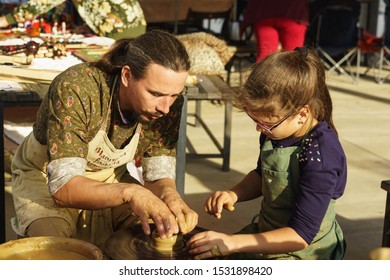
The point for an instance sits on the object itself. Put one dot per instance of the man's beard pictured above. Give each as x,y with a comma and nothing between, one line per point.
143,120
136,117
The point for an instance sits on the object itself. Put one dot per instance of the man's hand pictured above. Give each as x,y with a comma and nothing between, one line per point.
148,206
185,217
165,188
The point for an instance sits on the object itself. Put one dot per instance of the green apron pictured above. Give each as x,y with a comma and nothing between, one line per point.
280,176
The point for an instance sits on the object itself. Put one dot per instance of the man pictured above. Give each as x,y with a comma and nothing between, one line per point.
113,19
69,175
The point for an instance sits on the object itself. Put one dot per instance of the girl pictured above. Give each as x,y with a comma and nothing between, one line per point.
301,169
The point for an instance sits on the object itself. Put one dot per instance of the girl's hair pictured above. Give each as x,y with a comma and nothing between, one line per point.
138,53
284,82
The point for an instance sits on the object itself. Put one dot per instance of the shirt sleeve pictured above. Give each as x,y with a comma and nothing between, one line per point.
60,171
322,178
158,142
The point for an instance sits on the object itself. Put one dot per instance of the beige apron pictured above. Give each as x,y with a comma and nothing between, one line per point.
30,190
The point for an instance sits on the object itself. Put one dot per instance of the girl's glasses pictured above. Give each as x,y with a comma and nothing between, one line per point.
269,128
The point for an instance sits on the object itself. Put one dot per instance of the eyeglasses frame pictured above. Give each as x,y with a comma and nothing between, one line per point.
269,129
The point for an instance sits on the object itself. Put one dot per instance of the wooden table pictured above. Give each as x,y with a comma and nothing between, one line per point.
386,224
210,88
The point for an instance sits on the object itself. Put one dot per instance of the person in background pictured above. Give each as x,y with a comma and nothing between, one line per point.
301,169
276,22
108,18
69,176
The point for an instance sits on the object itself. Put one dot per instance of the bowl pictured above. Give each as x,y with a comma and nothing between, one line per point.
49,248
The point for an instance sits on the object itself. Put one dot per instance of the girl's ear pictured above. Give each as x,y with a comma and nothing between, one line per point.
126,75
304,114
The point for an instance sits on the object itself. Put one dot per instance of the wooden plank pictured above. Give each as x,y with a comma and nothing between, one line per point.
15,59
90,55
24,72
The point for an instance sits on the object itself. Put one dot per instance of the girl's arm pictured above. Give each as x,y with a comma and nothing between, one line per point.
213,244
249,188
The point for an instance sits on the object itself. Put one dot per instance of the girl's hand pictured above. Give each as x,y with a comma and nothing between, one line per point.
219,200
210,244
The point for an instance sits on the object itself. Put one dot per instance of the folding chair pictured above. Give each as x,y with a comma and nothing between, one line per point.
337,39
384,55
378,49
198,21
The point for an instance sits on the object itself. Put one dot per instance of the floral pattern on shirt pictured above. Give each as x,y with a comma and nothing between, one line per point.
67,130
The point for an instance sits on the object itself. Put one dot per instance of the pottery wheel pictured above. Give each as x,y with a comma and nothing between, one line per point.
134,244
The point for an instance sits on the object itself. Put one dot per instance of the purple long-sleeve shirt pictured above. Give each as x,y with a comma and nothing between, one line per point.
323,176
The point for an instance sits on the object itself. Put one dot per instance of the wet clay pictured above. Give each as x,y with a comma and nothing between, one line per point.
133,244
166,244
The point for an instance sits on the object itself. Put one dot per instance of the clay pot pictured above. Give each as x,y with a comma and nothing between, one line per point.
168,244
49,248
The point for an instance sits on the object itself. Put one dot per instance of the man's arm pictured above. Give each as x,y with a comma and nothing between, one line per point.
166,190
84,193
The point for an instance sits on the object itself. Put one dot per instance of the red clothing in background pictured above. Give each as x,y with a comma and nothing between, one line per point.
276,21
296,10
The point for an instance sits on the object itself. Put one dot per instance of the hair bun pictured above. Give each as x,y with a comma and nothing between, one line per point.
303,51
